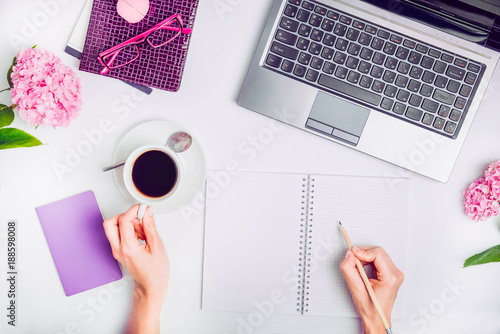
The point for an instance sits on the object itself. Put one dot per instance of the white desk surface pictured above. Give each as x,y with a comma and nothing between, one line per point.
443,297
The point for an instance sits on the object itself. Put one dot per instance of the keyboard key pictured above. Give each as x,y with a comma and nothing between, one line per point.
414,57
315,20
426,90
453,86
348,89
328,67
332,15
404,67
401,81
340,29
304,58
403,95
439,67
329,40
289,24
422,48
440,81
438,123
299,70
402,53
304,30
286,37
328,25
414,114
366,53
365,81
428,118
284,51
409,44
345,19
428,76
465,90
364,67
341,72
302,43
353,77
415,100
383,34
447,58
341,44
377,72
287,66
444,111
290,10
434,53
377,43
371,29
378,58
378,86
396,39
303,15
316,63
450,127
386,103
416,72
474,67
315,48
455,115
320,10
389,76
352,62
460,103
390,91
317,35
295,2
364,39
339,57
312,75
427,62
352,34
430,106
399,108
455,72
353,49
443,97
391,63
273,60
470,78
357,24
390,48
307,5
460,62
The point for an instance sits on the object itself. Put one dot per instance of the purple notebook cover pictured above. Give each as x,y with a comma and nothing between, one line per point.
156,67
78,244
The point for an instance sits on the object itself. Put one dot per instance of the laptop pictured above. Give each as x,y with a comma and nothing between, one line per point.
394,87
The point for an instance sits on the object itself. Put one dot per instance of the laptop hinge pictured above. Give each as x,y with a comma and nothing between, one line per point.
494,37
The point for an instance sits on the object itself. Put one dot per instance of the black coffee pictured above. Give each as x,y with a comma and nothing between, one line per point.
154,173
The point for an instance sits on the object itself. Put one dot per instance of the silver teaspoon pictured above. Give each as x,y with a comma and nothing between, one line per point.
177,142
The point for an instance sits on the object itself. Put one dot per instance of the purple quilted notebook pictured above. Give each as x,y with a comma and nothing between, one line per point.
78,244
156,67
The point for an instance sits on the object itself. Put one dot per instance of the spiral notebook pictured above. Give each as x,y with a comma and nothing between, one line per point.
160,67
273,244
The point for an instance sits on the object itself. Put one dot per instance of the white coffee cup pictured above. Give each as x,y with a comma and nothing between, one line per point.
151,175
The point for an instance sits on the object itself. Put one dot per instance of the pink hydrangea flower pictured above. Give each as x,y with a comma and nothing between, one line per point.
46,91
492,176
479,205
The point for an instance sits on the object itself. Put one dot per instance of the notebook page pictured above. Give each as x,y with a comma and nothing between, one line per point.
374,213
252,228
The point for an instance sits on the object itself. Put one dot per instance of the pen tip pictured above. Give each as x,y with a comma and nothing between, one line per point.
340,223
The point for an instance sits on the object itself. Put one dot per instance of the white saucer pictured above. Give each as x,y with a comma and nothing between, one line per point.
193,161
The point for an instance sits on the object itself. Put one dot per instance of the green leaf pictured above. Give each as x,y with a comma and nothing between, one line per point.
490,255
12,138
9,73
6,115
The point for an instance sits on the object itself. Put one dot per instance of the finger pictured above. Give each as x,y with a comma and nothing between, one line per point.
150,230
126,226
351,273
375,255
112,232
139,230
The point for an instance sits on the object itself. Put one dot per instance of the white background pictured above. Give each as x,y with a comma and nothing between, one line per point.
223,41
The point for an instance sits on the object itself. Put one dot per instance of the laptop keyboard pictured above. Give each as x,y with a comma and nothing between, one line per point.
371,65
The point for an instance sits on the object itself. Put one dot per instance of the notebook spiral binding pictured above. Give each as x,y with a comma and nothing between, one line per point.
305,244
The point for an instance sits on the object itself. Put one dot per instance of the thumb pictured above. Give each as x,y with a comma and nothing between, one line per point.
375,255
149,226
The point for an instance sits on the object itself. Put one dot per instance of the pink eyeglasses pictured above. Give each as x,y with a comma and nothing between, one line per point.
126,52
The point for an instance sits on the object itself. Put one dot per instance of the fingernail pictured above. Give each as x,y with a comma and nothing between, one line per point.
150,211
356,249
347,254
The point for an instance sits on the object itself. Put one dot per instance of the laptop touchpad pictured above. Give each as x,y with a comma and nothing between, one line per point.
337,118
